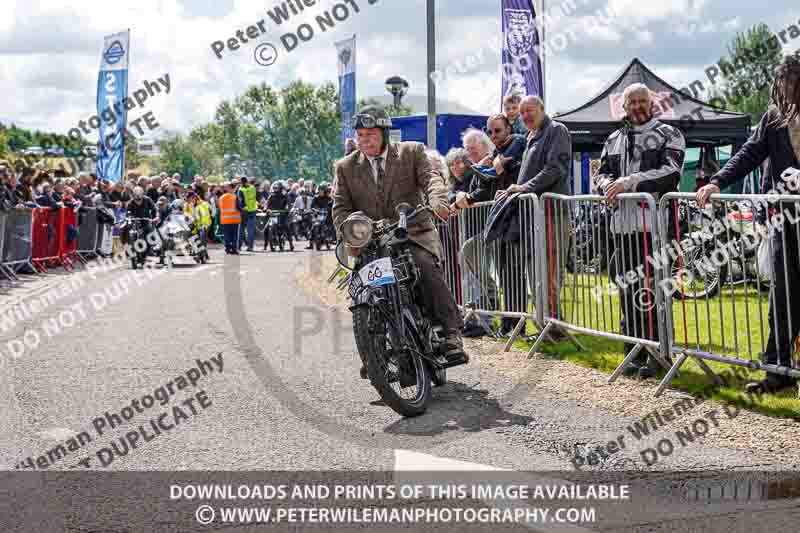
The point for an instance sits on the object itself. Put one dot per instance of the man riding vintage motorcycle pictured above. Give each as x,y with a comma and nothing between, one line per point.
322,231
377,178
279,201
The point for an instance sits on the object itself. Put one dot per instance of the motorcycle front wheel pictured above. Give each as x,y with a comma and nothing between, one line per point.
401,379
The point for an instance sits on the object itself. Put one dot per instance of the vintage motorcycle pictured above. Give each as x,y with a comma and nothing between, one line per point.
137,238
402,349
322,231
710,231
277,232
301,221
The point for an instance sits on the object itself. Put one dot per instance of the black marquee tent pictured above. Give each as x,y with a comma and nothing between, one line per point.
701,123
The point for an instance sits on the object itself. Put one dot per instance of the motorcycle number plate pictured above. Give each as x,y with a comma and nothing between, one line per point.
378,272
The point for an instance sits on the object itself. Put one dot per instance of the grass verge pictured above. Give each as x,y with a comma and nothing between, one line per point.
605,355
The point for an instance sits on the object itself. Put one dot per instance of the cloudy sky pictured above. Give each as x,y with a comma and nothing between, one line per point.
50,50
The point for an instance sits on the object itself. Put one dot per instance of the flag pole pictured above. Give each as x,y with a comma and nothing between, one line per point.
431,48
122,178
543,48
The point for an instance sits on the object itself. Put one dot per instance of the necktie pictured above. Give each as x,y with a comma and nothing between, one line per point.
380,175
379,170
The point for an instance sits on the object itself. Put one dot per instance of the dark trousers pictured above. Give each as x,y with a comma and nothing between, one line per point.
433,291
785,297
639,316
249,224
231,233
512,269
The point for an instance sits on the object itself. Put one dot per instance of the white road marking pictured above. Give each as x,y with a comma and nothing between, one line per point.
61,434
408,461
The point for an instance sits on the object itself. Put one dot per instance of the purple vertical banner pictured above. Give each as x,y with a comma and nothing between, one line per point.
521,64
346,52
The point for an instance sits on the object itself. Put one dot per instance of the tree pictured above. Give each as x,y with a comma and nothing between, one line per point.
4,149
177,156
752,61
18,138
392,110
132,157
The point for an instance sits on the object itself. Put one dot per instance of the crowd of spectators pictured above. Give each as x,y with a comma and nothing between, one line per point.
524,151
39,188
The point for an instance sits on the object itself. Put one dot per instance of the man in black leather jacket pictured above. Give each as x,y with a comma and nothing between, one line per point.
645,155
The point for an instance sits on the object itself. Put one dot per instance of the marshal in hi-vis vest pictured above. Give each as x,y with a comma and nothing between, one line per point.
228,214
250,198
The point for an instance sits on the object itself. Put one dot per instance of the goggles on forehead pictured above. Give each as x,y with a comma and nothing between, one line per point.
368,121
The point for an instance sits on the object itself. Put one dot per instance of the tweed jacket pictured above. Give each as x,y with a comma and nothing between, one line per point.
409,177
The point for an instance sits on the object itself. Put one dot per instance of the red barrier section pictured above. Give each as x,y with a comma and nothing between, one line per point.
49,240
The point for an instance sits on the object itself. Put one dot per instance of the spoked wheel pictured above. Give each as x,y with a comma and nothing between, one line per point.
696,277
401,377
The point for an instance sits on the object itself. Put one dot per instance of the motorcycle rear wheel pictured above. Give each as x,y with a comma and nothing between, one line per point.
695,282
384,365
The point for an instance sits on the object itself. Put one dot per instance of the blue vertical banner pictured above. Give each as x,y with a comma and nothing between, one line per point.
346,54
112,90
521,61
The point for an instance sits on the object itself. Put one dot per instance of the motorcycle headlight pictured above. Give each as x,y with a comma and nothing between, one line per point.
357,230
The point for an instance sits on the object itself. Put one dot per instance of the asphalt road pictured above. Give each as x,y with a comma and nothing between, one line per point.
288,396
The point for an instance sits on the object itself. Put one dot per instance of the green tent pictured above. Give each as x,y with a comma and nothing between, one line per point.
723,154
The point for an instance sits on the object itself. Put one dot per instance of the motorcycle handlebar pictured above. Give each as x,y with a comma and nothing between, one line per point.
402,227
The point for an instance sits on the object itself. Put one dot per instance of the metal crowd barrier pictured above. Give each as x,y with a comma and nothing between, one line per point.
105,240
3,269
725,306
497,279
88,233
17,241
597,277
448,235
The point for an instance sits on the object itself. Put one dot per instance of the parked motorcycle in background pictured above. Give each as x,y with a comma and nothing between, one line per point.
727,231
